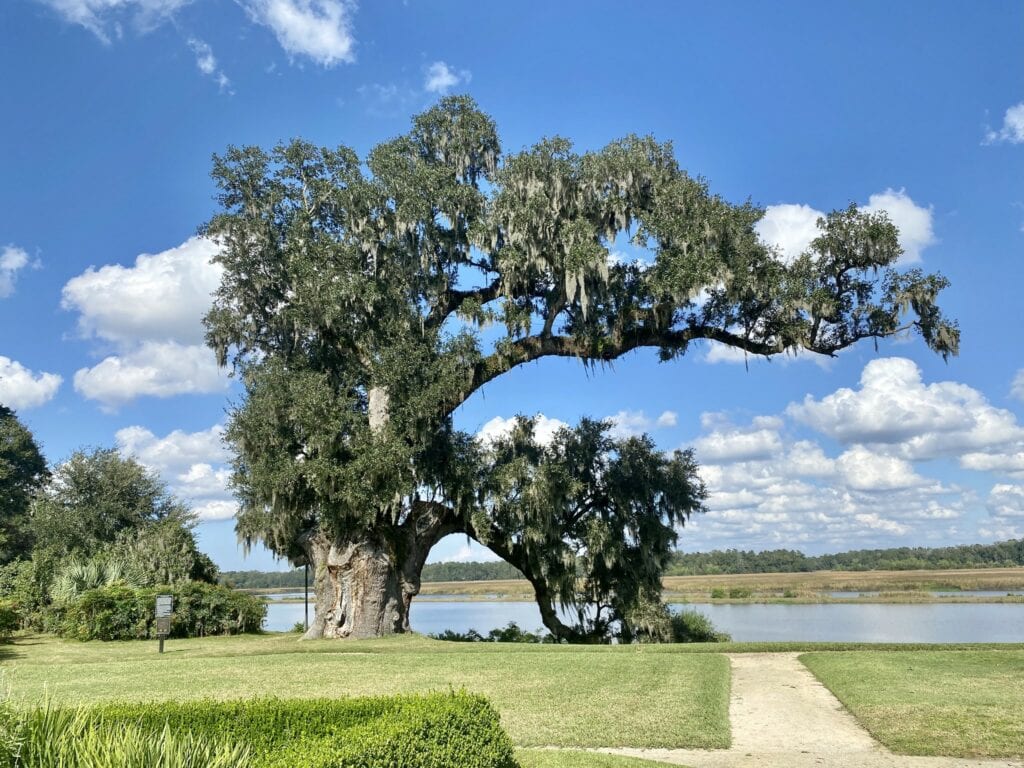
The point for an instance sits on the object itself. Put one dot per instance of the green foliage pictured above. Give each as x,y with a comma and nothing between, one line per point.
76,577
46,737
118,612
22,472
596,515
352,305
1001,554
739,593
511,633
20,586
92,499
694,627
454,730
104,520
653,622
10,618
717,593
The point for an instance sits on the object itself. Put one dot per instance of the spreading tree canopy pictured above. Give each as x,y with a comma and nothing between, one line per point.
363,301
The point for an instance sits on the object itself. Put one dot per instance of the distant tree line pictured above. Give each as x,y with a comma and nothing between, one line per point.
1004,554
489,571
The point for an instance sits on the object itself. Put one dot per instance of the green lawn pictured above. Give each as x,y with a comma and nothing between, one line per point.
564,758
964,703
547,695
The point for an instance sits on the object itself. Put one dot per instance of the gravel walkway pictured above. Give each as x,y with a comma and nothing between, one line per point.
782,717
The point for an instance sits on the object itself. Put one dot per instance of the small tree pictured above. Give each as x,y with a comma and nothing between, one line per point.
352,306
22,471
103,514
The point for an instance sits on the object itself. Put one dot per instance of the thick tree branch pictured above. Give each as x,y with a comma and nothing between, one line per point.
452,301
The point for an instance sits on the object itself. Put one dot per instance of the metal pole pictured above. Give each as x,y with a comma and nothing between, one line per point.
305,621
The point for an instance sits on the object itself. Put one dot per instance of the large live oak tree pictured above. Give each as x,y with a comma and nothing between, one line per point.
363,301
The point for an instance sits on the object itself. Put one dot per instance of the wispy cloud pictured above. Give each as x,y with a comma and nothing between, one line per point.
1012,130
441,78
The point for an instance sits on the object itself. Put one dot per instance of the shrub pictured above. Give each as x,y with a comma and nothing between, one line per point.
19,585
717,593
453,730
10,618
738,593
119,612
694,627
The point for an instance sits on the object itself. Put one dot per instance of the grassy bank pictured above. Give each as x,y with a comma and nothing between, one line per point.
546,695
932,702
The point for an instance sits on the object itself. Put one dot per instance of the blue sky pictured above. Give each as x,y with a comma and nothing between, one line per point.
113,108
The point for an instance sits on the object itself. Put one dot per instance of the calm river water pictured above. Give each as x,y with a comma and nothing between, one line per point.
940,623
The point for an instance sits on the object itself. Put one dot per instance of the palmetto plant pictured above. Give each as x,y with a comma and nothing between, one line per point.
77,577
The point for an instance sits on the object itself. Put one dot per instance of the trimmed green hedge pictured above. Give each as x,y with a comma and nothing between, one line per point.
452,730
122,613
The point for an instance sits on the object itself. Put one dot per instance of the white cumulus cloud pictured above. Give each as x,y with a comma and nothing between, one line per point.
162,297
1017,388
21,388
1006,501
544,429
727,443
1012,130
320,30
152,314
12,261
913,221
791,227
157,369
895,408
865,470
440,78
192,465
633,423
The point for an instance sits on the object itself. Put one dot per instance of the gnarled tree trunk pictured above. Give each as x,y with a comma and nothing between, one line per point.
365,583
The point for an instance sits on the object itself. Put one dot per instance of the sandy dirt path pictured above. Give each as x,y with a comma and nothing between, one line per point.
782,717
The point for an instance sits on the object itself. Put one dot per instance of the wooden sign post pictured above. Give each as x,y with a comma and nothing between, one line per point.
164,608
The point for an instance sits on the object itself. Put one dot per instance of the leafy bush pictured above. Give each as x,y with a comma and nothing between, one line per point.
119,612
694,627
453,730
717,593
45,737
738,593
10,619
510,633
20,586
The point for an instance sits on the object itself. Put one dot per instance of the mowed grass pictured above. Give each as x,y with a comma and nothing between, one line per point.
589,696
963,703
565,758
